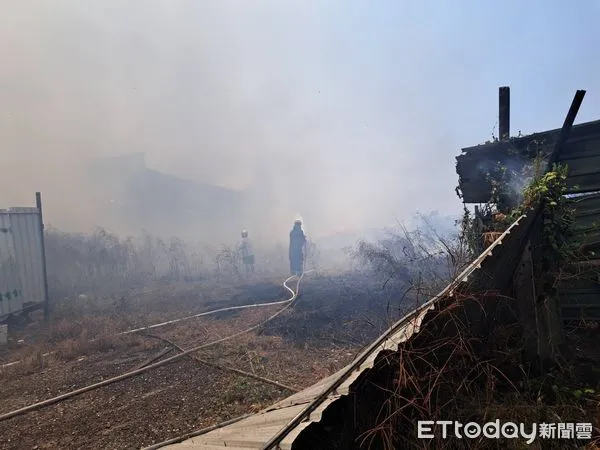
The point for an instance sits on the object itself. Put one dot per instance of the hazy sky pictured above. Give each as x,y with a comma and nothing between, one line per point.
360,107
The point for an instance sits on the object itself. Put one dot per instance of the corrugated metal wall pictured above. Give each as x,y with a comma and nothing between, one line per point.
582,156
21,270
580,292
11,298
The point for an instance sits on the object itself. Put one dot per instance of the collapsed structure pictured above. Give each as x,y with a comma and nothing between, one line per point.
395,380
576,147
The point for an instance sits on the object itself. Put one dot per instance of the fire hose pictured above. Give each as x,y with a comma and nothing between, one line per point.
133,373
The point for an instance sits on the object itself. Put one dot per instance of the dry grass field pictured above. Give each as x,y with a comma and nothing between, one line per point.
331,321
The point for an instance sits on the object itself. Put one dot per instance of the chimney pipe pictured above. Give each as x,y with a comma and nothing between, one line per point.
504,113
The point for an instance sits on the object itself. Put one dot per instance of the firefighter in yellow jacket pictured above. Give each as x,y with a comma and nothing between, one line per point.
247,252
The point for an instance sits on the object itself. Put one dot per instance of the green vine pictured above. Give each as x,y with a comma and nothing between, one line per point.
471,233
548,190
558,242
499,179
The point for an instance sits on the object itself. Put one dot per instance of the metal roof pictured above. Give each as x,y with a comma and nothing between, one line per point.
283,422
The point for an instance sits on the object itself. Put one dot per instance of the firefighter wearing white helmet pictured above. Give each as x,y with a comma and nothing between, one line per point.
247,252
297,248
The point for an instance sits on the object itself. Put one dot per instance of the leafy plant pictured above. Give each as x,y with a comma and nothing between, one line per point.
549,191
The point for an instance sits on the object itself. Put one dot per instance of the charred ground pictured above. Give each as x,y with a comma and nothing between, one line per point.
330,322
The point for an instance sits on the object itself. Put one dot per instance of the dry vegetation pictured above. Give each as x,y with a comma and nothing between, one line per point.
104,264
102,285
472,360
470,367
463,366
466,364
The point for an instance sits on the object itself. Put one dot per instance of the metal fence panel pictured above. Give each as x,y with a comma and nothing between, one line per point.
25,225
11,291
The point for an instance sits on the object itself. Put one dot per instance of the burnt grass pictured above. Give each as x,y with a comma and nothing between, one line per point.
332,319
465,364
349,309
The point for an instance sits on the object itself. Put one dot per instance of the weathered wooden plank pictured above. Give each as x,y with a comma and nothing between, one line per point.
583,166
577,184
580,314
582,148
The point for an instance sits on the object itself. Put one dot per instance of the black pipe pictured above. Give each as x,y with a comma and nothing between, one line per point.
504,113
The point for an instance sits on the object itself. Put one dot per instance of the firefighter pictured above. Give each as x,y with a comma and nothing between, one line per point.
247,252
297,248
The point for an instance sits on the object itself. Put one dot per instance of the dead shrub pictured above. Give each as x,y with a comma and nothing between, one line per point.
107,264
71,349
32,363
104,344
467,363
65,330
68,350
469,367
86,327
419,262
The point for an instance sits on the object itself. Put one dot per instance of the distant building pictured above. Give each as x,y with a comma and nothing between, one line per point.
139,198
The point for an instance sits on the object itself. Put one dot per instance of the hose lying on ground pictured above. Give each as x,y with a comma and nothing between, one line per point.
164,362
155,358
217,366
215,311
206,313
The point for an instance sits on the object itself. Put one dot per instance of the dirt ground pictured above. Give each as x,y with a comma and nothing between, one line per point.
332,320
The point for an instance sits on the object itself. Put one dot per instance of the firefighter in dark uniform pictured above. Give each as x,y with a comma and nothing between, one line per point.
297,248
